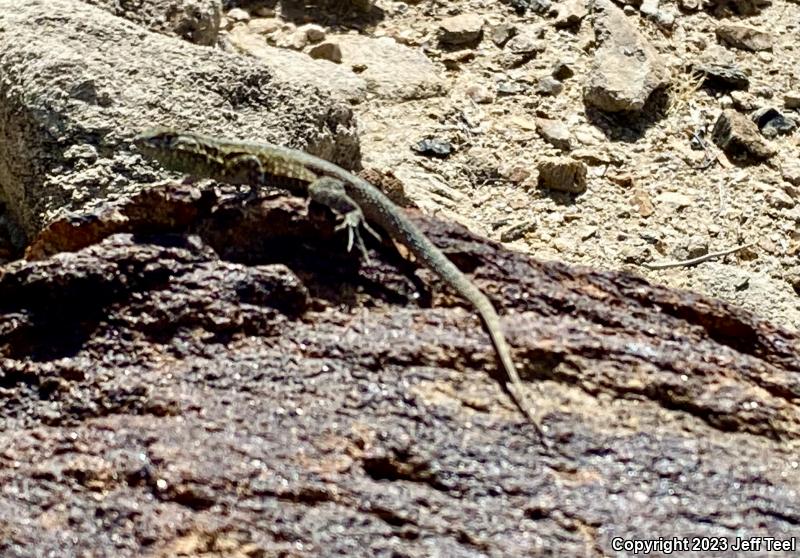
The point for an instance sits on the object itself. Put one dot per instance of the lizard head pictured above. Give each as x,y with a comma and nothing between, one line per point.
175,150
156,138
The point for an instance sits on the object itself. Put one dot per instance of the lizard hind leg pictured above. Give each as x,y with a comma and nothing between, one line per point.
332,194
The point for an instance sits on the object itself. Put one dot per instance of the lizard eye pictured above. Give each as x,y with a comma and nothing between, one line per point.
169,140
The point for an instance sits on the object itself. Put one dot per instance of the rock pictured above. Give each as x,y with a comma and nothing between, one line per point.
170,206
743,101
555,133
541,7
409,37
741,7
263,25
295,40
562,70
738,136
650,9
562,174
433,147
793,193
238,15
501,34
461,30
626,69
548,86
674,198
388,183
764,91
452,60
570,14
507,87
793,279
197,21
390,69
480,94
328,50
791,100
723,77
772,123
146,394
300,68
744,37
588,135
314,33
537,6
695,247
790,171
107,84
524,46
779,199
642,202
81,154
522,122
515,174
689,5
517,231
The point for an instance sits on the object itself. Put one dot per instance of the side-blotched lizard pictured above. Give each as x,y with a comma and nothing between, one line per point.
355,201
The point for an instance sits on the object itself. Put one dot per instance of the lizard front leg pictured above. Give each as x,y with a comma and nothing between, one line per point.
331,193
244,168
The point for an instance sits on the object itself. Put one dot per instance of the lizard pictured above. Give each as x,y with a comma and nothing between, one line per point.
355,201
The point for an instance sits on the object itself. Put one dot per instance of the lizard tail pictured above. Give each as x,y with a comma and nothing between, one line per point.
426,251
379,209
492,322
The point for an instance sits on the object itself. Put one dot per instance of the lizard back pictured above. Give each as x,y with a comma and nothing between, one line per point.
231,162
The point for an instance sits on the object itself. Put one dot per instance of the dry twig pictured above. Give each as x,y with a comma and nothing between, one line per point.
697,260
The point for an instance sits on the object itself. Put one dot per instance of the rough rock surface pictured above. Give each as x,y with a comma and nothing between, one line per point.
390,69
626,68
224,391
77,84
744,37
206,377
563,174
554,133
197,21
570,13
463,29
300,69
739,137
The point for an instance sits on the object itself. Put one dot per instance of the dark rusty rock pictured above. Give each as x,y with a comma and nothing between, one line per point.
179,284
166,208
160,399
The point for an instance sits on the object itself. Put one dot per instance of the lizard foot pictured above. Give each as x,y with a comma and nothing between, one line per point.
351,221
332,193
